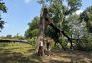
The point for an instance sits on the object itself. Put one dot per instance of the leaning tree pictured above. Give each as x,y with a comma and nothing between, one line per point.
55,16
58,12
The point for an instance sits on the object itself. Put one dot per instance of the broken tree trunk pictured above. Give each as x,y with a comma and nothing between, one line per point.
61,32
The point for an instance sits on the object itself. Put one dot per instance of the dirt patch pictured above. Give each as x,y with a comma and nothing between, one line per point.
68,57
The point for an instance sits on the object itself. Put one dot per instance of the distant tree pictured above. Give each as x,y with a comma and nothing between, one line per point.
33,29
9,36
18,36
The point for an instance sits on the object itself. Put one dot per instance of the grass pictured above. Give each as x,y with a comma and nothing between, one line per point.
15,52
24,53
15,47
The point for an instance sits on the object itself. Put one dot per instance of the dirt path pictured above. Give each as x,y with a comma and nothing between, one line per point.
68,57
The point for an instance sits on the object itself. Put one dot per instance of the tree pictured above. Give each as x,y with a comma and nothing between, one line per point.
58,12
9,36
3,8
33,29
86,16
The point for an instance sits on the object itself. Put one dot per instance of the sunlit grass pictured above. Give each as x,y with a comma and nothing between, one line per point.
15,47
15,52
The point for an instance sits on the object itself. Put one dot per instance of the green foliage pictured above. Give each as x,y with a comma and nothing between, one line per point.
32,41
86,16
74,3
64,17
58,12
63,42
2,24
3,8
34,32
85,43
33,29
34,23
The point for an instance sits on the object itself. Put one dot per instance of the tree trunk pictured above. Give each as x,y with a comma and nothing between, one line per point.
61,32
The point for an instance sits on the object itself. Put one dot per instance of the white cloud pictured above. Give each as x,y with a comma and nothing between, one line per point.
79,12
27,1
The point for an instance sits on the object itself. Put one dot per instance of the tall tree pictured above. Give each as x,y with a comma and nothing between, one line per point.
58,11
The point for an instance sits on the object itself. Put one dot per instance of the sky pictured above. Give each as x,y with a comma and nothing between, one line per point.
21,12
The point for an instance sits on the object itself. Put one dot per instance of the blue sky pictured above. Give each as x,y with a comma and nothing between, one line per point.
20,12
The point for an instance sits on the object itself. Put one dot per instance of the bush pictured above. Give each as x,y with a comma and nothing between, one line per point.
85,44
32,41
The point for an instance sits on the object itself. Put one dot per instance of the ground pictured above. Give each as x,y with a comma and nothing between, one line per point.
24,53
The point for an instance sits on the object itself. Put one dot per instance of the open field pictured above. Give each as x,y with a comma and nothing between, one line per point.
24,53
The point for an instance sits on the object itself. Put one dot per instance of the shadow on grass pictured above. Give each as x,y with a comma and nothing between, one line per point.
12,57
56,61
7,56
36,58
